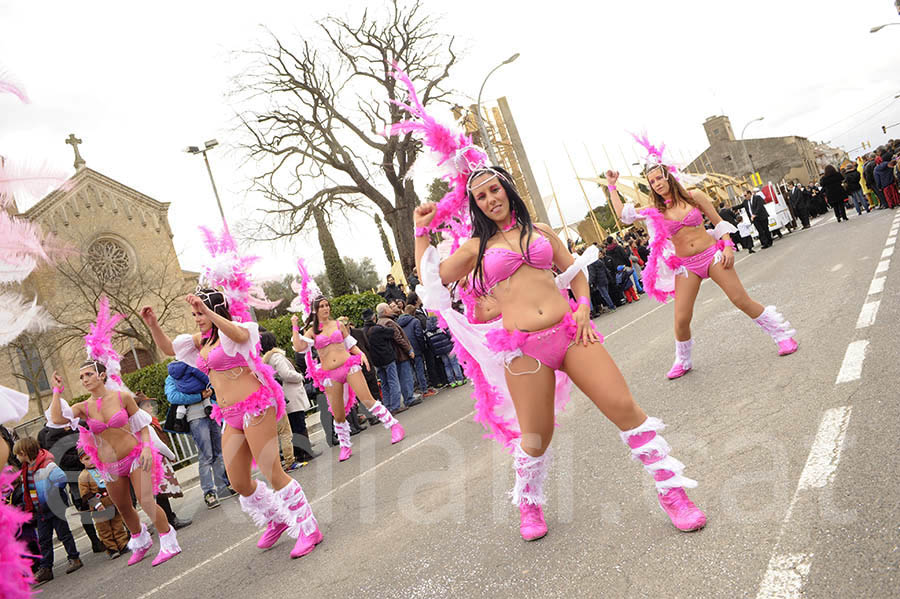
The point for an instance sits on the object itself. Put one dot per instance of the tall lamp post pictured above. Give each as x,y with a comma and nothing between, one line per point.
207,146
744,145
481,129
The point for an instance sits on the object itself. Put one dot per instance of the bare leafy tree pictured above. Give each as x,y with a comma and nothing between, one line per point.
161,284
317,113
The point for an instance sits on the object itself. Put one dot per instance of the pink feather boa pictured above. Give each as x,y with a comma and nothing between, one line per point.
15,566
87,442
657,243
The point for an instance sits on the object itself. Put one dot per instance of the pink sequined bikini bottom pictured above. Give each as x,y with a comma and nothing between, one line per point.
547,346
242,414
699,264
340,374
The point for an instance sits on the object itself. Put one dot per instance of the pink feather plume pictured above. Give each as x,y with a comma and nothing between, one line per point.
15,566
31,180
99,341
8,85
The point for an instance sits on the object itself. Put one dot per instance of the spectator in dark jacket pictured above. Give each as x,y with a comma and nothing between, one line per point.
598,278
442,345
869,177
618,254
832,182
852,178
413,330
369,373
615,292
387,317
392,291
434,370
884,180
384,359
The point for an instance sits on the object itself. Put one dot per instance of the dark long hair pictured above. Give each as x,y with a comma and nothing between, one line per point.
484,228
678,191
313,318
215,301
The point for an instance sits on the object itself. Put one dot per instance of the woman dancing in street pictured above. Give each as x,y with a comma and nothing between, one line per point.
523,357
120,441
683,254
339,374
249,399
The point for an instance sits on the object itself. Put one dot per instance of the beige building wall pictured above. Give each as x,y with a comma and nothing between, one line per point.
117,233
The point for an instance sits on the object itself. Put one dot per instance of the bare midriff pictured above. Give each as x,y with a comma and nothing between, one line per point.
334,355
233,385
530,300
689,241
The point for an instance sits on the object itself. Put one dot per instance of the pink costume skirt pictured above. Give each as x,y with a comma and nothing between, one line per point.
547,346
241,415
124,467
699,264
340,374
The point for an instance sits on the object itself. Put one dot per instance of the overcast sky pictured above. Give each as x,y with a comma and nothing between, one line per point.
138,84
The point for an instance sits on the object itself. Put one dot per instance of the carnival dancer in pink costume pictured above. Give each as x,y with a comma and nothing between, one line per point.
520,363
119,439
683,253
249,398
339,373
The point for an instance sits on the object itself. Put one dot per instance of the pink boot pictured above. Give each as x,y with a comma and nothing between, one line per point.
264,509
528,494
168,547
397,433
342,429
298,514
531,522
139,544
779,329
683,362
648,446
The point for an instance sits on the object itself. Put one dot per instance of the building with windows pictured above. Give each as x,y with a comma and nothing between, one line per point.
775,158
119,244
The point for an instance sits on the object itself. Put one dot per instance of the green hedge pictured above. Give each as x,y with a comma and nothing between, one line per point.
350,305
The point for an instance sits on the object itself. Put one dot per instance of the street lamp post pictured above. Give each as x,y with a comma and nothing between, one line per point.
481,128
209,145
744,145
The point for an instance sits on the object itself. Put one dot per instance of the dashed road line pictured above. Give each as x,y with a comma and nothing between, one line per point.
851,367
867,314
883,266
876,286
887,252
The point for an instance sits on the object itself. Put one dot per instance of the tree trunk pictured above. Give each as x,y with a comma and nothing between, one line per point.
334,266
401,223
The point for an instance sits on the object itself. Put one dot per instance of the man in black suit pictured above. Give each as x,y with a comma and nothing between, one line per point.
798,203
760,218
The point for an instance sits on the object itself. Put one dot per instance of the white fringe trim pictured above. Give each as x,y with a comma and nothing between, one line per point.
379,411
300,519
657,444
169,542
650,424
531,472
262,506
683,351
775,324
142,541
342,429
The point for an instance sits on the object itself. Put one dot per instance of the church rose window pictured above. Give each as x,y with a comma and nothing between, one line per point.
109,260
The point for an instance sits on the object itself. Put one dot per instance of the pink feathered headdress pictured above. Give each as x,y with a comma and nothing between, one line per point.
306,289
655,155
453,150
99,344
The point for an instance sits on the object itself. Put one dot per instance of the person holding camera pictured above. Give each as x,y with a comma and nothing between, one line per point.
189,392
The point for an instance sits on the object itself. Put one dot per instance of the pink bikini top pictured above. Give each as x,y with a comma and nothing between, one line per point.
694,218
219,360
501,263
323,340
118,420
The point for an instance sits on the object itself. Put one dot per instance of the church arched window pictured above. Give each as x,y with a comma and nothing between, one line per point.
109,259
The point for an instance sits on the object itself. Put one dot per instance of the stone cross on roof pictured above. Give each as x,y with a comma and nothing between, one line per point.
74,141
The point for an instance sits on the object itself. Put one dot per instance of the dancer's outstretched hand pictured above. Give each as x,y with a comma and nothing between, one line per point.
586,333
424,214
612,177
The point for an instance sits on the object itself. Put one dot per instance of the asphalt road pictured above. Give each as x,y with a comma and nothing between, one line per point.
795,457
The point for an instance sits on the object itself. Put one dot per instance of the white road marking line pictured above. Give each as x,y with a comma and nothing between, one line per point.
785,577
887,252
882,266
836,267
876,286
890,241
851,367
867,314
826,449
787,572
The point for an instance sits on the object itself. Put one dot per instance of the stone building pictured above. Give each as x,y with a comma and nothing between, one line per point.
122,246
775,158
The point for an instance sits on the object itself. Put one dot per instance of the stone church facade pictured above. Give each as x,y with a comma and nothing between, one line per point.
121,245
